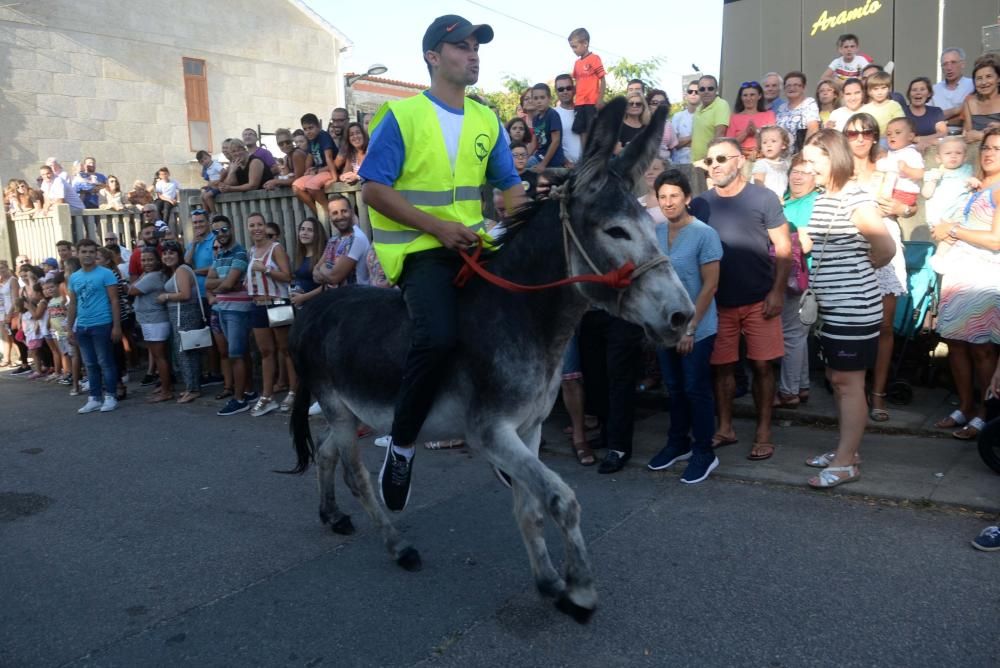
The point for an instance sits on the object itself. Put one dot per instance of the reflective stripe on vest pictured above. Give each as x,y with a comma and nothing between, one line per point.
427,179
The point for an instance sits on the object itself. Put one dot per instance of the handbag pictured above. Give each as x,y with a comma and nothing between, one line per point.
280,313
195,339
808,304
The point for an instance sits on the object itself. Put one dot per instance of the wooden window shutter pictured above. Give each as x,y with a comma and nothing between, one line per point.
196,99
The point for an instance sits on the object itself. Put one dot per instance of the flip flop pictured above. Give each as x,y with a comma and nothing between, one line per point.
157,398
584,455
757,447
720,441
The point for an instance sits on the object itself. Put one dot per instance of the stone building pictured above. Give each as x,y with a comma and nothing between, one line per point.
138,85
370,93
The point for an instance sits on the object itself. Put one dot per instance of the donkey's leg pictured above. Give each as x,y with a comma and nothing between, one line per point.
326,467
531,521
505,449
359,481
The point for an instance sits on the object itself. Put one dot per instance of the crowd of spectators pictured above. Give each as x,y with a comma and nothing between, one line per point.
785,194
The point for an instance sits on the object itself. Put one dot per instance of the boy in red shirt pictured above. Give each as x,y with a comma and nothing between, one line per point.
588,71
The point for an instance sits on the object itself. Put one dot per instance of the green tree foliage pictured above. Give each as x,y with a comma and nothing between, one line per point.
507,100
624,70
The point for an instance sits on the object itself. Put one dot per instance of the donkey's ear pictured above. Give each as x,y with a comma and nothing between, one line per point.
601,140
637,156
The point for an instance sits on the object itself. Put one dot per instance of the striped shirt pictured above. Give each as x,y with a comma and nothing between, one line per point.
850,303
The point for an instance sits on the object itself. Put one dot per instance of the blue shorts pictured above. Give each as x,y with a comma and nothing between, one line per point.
572,368
235,327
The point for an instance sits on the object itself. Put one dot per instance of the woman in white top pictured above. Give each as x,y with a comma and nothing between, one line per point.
853,97
848,241
111,195
267,281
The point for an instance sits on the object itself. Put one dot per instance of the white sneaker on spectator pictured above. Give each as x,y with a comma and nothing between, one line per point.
264,406
110,403
91,406
315,409
383,441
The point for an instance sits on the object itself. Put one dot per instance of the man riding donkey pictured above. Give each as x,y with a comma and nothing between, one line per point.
424,195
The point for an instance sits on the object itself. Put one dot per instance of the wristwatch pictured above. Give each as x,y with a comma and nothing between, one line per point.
691,330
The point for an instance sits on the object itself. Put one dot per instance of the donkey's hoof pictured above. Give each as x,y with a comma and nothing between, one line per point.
551,588
409,559
580,614
343,526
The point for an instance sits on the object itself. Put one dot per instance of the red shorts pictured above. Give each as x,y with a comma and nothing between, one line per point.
313,181
764,337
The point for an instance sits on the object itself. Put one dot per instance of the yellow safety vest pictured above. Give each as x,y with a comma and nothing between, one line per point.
427,181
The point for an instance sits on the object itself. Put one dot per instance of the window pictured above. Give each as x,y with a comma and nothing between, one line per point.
196,99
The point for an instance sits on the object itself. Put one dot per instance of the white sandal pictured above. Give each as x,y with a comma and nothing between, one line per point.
828,477
825,459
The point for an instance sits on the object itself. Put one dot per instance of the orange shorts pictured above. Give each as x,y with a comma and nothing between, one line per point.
313,181
764,338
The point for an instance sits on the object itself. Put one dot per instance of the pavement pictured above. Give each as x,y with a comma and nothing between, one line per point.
160,536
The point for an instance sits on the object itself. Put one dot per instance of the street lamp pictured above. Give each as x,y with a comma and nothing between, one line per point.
351,79
373,71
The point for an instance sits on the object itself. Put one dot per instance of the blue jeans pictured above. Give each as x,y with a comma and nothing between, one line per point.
692,403
99,357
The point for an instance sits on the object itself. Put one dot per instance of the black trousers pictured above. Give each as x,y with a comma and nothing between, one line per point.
611,354
432,302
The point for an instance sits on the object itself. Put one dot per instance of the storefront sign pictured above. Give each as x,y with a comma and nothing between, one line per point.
826,21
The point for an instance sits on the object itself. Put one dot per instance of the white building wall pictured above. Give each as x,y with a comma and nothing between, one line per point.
108,81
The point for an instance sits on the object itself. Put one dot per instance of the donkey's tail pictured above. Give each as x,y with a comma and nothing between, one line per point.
299,427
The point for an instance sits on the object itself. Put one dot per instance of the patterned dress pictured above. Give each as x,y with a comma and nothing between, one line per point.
970,288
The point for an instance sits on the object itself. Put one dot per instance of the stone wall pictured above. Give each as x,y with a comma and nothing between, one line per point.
106,80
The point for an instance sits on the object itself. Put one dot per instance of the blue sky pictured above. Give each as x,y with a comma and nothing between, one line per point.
389,32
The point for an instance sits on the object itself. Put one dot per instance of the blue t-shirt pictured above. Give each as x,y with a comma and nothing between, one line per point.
925,124
543,126
695,244
319,146
203,257
746,273
89,288
386,153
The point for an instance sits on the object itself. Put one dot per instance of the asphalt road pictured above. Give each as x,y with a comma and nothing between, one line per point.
158,536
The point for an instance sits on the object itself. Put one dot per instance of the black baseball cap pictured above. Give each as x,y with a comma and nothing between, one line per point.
452,28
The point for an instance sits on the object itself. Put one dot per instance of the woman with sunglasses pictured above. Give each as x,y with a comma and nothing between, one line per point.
24,198
750,114
111,195
298,160
184,308
968,313
848,241
862,134
798,114
637,117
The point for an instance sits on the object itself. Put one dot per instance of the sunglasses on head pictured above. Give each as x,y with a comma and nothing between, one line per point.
854,134
722,159
748,84
703,89
563,89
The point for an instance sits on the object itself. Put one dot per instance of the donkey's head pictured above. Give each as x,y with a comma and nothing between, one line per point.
613,228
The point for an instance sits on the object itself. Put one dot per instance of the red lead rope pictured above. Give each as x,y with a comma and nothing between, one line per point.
618,279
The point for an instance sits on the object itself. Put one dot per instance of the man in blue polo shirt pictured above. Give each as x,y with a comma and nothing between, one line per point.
199,256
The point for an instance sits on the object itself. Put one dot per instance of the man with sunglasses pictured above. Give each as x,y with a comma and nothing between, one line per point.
749,219
230,320
147,237
711,121
683,124
572,143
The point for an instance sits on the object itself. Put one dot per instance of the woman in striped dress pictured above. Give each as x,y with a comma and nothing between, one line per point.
969,311
848,241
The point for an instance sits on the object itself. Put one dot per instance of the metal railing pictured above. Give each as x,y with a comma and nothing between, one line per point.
36,234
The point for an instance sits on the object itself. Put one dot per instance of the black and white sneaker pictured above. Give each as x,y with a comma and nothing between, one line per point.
394,480
148,380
